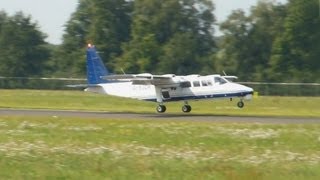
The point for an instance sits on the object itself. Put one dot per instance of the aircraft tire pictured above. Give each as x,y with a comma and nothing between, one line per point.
240,104
161,109
186,108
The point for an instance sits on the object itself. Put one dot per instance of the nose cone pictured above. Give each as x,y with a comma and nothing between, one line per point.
241,88
246,92
246,88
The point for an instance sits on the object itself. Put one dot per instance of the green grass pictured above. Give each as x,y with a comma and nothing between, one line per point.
78,100
86,148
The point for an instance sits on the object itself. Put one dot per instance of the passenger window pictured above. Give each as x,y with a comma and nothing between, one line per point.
185,84
209,83
196,83
204,83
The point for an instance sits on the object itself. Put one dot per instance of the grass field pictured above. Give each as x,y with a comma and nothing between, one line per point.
52,147
75,148
78,100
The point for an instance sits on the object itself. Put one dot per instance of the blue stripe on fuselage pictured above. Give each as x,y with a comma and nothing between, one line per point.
210,96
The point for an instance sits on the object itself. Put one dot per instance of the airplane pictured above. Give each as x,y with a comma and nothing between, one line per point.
161,88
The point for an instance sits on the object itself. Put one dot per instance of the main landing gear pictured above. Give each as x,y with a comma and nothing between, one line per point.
161,108
186,108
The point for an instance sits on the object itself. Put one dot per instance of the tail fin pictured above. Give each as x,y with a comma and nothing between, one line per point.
95,67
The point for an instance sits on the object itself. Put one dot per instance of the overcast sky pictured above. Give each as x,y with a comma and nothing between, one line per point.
51,15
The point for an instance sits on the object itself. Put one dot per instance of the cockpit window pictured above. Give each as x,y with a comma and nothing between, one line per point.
196,84
219,80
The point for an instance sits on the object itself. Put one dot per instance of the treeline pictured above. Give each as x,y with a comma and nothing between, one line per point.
274,42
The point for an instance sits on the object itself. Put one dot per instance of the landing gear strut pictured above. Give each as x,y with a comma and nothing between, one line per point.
186,107
161,108
240,104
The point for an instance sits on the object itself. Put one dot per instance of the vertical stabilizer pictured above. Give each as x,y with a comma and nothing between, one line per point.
95,67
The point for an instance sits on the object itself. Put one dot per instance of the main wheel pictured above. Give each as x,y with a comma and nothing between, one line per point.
161,109
186,108
240,104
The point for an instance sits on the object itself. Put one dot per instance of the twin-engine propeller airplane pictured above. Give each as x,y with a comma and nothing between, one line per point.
161,88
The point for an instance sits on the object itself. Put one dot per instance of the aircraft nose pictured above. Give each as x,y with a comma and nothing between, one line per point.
245,88
242,88
247,92
248,89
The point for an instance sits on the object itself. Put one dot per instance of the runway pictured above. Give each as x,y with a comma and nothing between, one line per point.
159,117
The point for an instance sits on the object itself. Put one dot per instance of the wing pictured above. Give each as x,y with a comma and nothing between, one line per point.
159,81
230,78
168,80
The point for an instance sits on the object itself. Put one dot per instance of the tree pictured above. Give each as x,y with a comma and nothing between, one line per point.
233,44
296,51
23,53
180,59
246,48
105,23
160,31
3,19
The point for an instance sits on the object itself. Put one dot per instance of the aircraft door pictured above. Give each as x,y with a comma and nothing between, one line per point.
165,94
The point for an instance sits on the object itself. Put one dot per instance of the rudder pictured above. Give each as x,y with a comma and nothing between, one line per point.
95,67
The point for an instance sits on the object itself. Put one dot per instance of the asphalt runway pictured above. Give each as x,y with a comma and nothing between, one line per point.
161,117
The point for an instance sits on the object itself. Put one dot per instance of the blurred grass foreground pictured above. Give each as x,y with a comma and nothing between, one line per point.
86,148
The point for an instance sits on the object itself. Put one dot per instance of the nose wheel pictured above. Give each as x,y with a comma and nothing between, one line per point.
240,104
161,108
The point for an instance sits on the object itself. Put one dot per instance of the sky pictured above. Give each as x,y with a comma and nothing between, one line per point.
52,15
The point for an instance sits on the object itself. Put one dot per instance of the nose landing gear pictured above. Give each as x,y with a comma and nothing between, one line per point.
240,104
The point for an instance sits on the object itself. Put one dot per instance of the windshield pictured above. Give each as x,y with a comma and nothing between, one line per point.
220,80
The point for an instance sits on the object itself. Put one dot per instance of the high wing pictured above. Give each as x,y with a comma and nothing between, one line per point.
168,80
230,78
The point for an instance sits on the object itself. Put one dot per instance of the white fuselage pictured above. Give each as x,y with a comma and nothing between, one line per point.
198,87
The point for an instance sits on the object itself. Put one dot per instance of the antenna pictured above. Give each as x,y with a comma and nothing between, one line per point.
224,73
123,71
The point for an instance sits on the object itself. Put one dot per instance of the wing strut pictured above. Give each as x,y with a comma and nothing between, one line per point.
158,94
